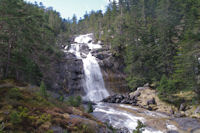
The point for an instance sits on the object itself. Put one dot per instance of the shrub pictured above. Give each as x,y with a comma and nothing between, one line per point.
15,117
166,85
76,102
61,98
139,128
23,111
90,108
43,90
14,93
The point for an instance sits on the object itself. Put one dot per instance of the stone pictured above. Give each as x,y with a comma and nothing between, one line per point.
134,104
179,115
134,95
45,126
171,111
137,94
142,88
122,130
182,107
118,100
147,85
197,110
172,131
124,101
151,101
66,116
149,108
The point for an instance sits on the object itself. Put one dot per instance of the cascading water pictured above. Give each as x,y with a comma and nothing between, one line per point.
94,83
118,115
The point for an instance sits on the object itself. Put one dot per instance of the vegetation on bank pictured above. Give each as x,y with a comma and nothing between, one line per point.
24,109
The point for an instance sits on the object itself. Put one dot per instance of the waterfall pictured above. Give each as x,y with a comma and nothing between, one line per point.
93,81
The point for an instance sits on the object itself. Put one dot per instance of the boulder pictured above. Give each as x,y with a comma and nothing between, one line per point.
134,95
142,88
117,101
122,130
124,101
197,110
151,101
120,96
147,85
45,126
137,94
182,107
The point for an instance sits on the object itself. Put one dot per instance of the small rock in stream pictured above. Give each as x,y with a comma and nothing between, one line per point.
172,131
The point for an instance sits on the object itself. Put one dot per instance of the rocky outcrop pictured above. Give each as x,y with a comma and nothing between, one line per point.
74,75
67,76
144,97
112,70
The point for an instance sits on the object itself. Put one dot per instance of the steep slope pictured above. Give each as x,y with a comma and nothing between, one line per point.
23,109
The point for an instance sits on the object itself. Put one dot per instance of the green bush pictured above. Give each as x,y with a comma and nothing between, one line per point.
14,93
15,117
135,81
165,88
166,85
90,108
23,111
76,102
139,128
61,98
43,90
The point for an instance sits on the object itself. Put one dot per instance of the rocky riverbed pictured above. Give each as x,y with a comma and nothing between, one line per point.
157,114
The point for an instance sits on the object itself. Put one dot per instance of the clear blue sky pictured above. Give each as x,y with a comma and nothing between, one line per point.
69,7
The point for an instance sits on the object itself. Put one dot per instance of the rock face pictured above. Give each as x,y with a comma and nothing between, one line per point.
74,75
68,76
112,70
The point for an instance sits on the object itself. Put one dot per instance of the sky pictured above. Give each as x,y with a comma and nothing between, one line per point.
68,8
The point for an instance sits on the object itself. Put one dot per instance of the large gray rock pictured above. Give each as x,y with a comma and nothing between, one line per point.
151,101
134,95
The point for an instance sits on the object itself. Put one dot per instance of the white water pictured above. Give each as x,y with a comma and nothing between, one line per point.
119,118
94,83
